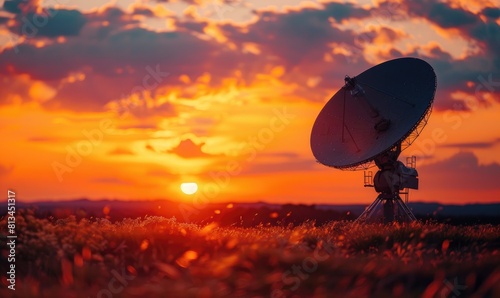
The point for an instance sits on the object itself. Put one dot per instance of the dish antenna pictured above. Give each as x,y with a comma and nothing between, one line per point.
369,121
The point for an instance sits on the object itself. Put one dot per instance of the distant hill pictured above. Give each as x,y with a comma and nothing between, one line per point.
249,214
425,209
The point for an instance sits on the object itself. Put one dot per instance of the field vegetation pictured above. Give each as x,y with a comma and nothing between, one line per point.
161,257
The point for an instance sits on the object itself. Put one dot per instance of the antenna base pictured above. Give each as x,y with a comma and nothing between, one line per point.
392,177
387,208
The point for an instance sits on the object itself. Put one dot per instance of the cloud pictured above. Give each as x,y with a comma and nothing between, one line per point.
299,40
461,170
291,165
143,11
45,139
13,88
33,20
470,25
383,35
281,162
190,25
134,48
282,154
456,74
473,145
201,126
6,170
144,126
188,149
121,151
114,55
471,76
444,15
113,68
21,6
491,12
166,109
49,23
297,36
440,13
344,11
110,180
160,172
116,58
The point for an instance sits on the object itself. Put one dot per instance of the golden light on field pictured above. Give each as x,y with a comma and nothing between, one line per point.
232,109
189,188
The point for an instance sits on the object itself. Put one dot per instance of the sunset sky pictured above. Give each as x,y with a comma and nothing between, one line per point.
129,99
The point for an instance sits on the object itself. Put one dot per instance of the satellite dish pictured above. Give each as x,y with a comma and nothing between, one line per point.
370,120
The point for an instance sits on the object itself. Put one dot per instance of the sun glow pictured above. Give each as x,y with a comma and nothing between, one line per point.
189,188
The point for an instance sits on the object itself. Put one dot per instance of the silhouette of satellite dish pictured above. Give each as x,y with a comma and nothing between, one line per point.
369,121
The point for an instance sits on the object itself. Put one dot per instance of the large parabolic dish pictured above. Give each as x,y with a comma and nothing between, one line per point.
375,111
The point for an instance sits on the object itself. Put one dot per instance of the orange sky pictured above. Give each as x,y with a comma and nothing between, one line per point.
128,100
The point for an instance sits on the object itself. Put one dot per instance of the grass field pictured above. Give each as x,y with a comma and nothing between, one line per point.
160,257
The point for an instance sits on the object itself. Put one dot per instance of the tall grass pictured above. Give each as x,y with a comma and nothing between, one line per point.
164,258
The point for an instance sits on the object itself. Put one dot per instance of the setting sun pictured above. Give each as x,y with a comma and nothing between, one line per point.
189,188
